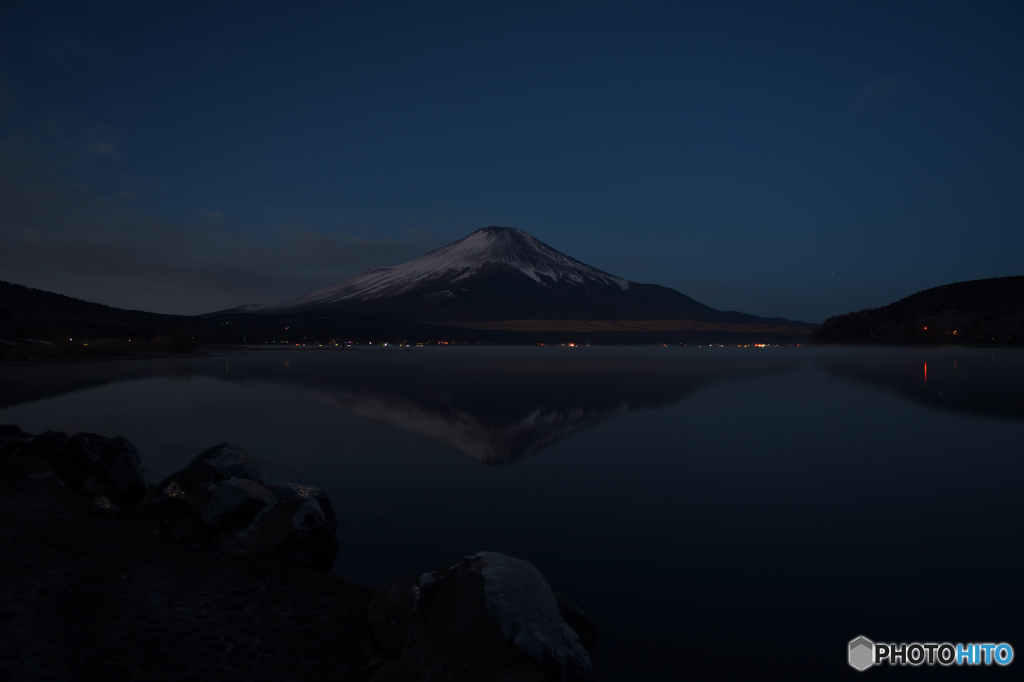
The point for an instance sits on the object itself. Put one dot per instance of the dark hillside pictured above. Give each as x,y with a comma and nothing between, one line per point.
979,312
27,313
33,313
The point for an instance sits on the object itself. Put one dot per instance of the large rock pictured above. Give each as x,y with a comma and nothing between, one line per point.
16,443
9,430
488,617
17,470
296,529
102,466
49,445
392,610
217,464
79,455
583,623
234,503
12,439
196,484
170,507
97,465
221,499
117,474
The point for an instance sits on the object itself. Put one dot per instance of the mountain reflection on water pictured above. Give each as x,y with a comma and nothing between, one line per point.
500,406
497,407
499,413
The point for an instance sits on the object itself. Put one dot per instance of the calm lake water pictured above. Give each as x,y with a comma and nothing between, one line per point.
718,510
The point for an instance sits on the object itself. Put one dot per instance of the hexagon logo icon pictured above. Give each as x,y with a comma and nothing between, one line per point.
862,653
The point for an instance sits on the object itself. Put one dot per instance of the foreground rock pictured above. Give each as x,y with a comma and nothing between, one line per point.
97,466
118,473
222,500
488,617
66,559
88,597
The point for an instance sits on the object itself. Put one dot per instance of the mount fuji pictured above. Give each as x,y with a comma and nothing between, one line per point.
504,278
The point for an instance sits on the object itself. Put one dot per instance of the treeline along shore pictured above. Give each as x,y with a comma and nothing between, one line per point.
984,312
37,324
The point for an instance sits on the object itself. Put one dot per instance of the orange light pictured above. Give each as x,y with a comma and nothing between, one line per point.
926,372
926,328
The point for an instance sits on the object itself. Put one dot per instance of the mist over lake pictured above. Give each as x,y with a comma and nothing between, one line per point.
707,505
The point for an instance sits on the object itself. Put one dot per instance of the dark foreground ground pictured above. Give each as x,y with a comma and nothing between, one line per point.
87,597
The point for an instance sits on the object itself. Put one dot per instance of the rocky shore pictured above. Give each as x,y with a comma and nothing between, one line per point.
216,573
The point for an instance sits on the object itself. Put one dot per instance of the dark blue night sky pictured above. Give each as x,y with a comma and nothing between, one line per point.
791,159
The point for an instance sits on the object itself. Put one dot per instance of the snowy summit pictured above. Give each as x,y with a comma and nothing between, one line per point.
487,249
498,274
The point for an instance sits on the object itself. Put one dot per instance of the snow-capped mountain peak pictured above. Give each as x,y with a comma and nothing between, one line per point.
502,276
504,248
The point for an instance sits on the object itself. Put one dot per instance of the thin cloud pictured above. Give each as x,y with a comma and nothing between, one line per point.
61,233
102,249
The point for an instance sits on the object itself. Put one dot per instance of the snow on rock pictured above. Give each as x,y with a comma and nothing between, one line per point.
523,605
487,617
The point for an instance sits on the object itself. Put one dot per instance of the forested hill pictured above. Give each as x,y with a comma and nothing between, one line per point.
28,310
979,312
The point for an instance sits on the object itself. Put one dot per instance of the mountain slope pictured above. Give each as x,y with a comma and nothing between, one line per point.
499,273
